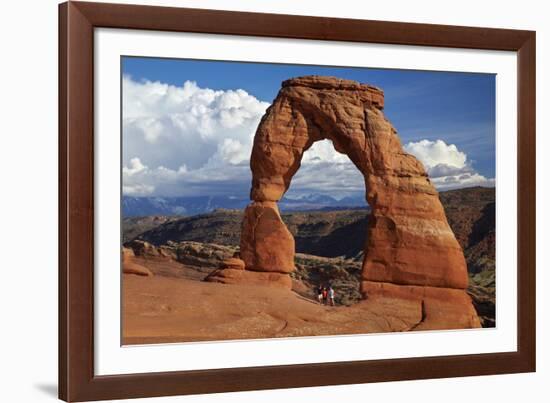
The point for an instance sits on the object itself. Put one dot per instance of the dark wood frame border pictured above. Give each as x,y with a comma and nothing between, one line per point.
77,21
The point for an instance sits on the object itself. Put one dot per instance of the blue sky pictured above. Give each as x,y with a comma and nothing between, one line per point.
455,108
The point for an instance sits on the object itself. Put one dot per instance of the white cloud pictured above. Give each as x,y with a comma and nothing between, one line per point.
135,167
323,151
447,166
171,126
230,151
433,153
461,181
175,138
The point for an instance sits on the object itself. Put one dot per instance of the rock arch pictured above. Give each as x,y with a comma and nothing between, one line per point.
410,252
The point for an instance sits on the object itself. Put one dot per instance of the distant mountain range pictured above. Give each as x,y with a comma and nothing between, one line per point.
189,206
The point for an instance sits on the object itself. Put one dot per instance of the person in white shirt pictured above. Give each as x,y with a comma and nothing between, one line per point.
331,295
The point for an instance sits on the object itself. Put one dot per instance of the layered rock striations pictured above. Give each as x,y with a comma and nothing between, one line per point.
411,252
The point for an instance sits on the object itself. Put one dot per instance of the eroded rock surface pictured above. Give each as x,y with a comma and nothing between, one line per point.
442,308
130,266
266,242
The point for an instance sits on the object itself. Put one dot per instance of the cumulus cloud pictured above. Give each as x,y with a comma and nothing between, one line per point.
177,137
447,166
170,126
433,153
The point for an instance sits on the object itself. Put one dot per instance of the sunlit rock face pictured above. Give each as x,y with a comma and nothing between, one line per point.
409,242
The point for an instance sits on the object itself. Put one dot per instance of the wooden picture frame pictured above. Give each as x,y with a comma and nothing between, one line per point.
77,21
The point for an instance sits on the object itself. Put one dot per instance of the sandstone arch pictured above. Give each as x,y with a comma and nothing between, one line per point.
411,251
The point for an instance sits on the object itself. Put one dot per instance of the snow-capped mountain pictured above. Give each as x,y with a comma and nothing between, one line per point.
187,206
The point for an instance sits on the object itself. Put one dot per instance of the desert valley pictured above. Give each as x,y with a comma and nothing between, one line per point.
183,283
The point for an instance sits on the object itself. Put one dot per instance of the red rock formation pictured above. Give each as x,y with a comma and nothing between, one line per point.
266,243
129,265
409,240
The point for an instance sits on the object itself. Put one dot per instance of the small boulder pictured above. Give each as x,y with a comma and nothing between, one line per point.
129,265
232,263
134,268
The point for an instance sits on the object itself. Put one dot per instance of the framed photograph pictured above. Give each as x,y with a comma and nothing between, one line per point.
256,201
